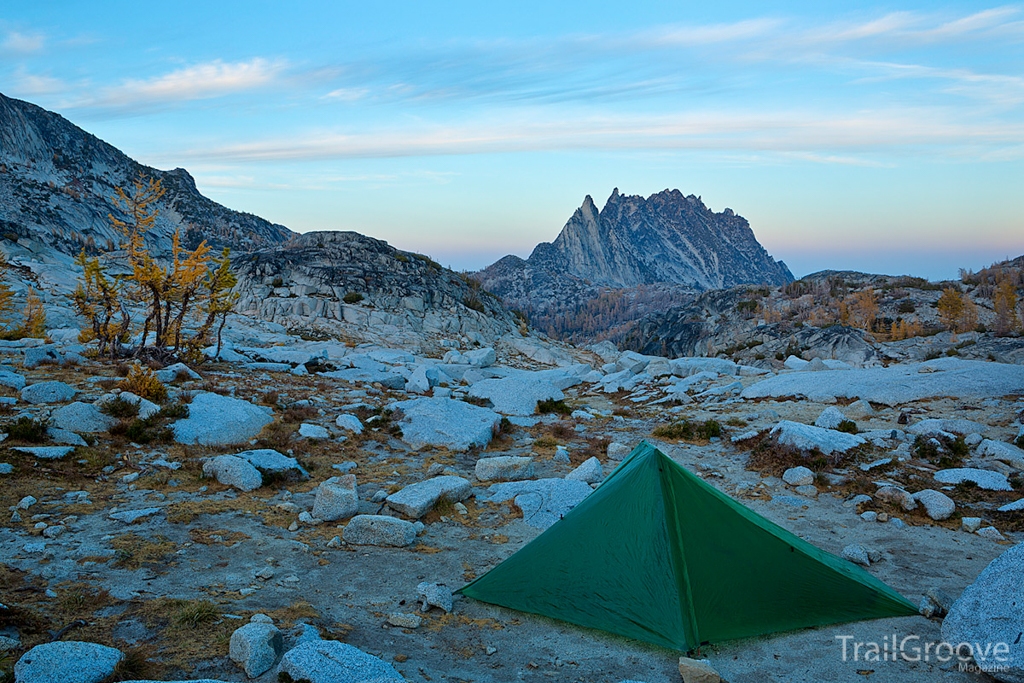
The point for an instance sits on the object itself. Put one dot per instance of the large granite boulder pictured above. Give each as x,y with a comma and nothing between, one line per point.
330,661
418,499
515,395
215,420
67,662
990,614
447,423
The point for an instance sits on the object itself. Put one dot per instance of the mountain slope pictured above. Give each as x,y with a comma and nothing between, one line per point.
56,184
343,284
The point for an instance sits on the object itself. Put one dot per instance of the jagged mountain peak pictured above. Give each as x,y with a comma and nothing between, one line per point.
657,249
666,237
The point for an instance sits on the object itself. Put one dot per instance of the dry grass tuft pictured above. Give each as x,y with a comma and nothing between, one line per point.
134,551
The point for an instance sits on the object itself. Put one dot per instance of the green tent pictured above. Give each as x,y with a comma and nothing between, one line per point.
658,555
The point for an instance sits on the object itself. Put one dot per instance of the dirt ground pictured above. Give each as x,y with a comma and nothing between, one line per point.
172,586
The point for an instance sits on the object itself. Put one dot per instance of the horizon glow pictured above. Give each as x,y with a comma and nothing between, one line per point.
872,138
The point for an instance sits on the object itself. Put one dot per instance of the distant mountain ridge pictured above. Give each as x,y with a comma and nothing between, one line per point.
57,180
671,245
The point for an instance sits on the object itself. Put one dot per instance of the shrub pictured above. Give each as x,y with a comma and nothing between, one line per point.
848,426
173,411
352,298
1020,441
552,406
300,413
142,382
684,430
27,429
942,450
120,407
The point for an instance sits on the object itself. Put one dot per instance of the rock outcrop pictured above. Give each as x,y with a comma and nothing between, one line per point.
347,284
56,184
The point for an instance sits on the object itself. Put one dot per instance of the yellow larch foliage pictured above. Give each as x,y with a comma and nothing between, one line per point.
1004,302
33,316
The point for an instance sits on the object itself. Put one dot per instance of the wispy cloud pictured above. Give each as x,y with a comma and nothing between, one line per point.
27,84
813,134
198,82
16,42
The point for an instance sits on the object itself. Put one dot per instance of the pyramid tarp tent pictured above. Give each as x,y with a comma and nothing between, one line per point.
658,555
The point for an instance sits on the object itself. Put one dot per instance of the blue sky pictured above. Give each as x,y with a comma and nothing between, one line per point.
882,137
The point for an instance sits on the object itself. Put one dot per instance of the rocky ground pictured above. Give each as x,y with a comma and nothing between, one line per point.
326,487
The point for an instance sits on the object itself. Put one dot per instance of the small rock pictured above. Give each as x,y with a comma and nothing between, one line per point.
178,371
265,574
883,517
349,423
1013,507
990,532
896,496
312,431
618,451
26,502
697,671
402,620
231,470
561,455
829,418
970,524
504,468
255,647
269,461
132,516
589,471
53,531
798,476
334,542
857,554
336,498
869,516
435,595
935,603
809,490
938,505
379,530
859,409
